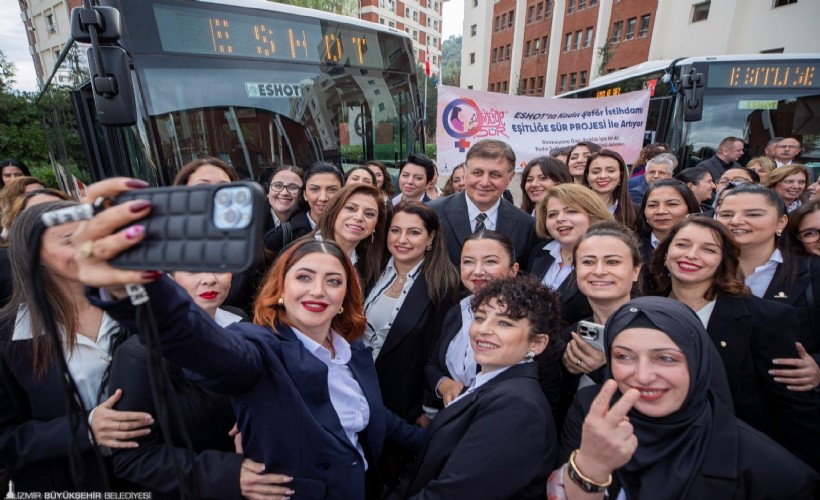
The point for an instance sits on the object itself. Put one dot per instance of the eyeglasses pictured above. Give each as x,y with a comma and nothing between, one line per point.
788,146
291,188
809,235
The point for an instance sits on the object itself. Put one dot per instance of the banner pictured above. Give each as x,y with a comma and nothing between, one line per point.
535,125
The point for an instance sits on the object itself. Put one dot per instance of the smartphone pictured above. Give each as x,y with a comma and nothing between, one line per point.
205,228
592,333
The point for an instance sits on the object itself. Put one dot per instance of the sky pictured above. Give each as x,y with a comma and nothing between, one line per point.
14,45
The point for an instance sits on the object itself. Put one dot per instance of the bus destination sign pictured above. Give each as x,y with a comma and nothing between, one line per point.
207,32
760,75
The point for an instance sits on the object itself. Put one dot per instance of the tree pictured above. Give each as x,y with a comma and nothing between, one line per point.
432,100
451,61
7,71
606,52
21,134
344,7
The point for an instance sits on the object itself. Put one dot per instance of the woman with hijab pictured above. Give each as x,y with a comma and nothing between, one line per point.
698,265
497,439
661,427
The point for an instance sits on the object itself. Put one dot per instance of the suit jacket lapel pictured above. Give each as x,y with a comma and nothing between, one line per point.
361,365
411,311
788,295
541,263
459,218
507,220
568,288
312,376
49,398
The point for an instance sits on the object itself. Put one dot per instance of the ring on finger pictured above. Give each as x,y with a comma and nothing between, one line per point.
86,250
578,363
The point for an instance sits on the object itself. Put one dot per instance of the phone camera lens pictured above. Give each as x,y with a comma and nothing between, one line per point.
241,197
223,198
230,216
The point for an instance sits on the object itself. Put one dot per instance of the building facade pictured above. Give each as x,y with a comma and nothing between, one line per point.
48,26
421,19
547,47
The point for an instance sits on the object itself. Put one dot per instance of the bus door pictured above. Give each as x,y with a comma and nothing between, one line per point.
657,118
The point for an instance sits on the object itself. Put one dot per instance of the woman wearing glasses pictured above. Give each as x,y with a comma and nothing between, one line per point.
804,226
283,194
790,182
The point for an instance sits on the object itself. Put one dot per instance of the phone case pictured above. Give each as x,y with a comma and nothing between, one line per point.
181,233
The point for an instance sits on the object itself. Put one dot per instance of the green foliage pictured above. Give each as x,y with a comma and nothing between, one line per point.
46,175
430,149
451,61
344,7
606,52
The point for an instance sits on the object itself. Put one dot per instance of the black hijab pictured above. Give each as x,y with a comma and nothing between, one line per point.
671,449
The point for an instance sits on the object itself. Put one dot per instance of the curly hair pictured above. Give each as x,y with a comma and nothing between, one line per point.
266,311
521,297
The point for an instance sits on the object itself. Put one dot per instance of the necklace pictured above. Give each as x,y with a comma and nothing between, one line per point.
394,292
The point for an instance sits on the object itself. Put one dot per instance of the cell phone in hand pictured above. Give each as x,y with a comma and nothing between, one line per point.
205,228
592,333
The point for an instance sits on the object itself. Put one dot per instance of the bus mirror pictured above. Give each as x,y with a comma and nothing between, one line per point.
693,96
113,91
106,19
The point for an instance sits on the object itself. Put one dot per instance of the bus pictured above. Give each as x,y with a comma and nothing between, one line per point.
755,97
252,82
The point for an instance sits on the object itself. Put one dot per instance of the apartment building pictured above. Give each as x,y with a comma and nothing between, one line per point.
547,47
421,19
47,25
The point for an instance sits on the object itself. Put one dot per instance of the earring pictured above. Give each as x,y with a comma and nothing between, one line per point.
779,233
281,302
529,356
341,310
429,247
373,237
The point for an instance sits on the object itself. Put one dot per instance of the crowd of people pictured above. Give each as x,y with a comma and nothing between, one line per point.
637,332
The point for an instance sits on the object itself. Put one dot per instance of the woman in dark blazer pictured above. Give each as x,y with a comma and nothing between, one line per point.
303,386
497,440
406,306
757,217
37,434
659,428
698,262
562,217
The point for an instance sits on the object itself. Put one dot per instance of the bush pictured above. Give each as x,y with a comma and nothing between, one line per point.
46,175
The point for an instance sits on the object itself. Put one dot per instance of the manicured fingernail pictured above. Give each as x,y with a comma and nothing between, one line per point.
136,183
287,480
134,231
151,275
139,206
291,492
778,379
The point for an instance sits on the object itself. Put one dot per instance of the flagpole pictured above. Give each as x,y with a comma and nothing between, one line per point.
425,104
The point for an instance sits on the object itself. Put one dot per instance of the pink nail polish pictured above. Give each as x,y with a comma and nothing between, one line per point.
136,183
134,231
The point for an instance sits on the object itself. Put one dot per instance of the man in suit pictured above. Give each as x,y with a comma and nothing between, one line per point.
490,167
729,151
786,151
658,168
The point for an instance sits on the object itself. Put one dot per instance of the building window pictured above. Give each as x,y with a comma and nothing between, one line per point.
570,6
539,13
473,30
544,45
548,12
472,57
582,4
508,52
644,26
630,28
588,37
475,4
497,19
567,42
531,14
532,85
572,81
583,79
593,3
577,40
563,83
50,26
523,86
495,55
617,28
536,45
540,85
506,86
470,87
504,21
527,48
492,87
700,11
781,3
511,17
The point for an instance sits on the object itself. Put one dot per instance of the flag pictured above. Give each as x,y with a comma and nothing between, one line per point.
427,63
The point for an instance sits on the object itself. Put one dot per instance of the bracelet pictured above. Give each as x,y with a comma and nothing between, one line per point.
583,482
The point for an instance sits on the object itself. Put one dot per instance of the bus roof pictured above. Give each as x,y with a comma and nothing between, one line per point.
659,65
304,11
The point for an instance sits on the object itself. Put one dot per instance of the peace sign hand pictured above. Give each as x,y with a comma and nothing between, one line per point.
607,438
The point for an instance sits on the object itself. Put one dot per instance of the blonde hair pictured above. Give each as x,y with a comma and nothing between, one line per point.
764,161
575,196
776,176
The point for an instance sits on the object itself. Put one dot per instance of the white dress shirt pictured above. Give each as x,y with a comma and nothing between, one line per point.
759,281
224,318
88,360
491,222
653,240
556,274
310,221
346,394
381,310
481,379
276,221
705,313
460,358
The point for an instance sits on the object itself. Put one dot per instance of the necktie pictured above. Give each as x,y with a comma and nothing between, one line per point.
480,218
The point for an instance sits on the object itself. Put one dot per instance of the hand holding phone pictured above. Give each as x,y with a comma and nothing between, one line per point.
592,333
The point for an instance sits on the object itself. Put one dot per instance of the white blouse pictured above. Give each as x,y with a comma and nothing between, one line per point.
381,310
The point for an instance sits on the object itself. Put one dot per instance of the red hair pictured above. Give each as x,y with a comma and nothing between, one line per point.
267,311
